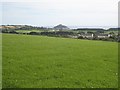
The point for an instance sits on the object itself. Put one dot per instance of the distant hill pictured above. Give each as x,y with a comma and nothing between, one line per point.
20,27
89,29
61,27
58,27
114,29
15,27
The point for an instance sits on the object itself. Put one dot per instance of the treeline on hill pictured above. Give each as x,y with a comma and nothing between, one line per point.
80,33
71,34
46,33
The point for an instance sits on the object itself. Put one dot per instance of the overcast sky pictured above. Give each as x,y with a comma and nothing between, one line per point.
67,12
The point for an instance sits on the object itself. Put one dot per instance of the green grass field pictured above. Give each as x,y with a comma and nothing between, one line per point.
28,31
49,62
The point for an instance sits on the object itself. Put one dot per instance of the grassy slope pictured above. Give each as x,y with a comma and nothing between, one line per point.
35,61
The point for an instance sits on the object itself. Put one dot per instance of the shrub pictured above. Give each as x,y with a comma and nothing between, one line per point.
80,37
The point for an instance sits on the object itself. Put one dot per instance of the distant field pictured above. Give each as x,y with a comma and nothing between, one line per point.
49,62
115,32
28,31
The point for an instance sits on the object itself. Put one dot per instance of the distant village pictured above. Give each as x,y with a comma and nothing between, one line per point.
111,34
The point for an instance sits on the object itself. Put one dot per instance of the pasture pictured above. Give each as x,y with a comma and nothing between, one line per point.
28,31
49,62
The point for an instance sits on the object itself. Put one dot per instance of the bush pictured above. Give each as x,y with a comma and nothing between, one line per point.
13,32
80,37
34,33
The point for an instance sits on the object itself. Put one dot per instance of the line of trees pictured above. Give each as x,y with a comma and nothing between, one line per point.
67,34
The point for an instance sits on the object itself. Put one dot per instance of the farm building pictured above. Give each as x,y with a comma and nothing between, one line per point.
103,35
94,35
88,35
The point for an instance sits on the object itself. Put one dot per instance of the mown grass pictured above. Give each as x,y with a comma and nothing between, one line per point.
48,62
